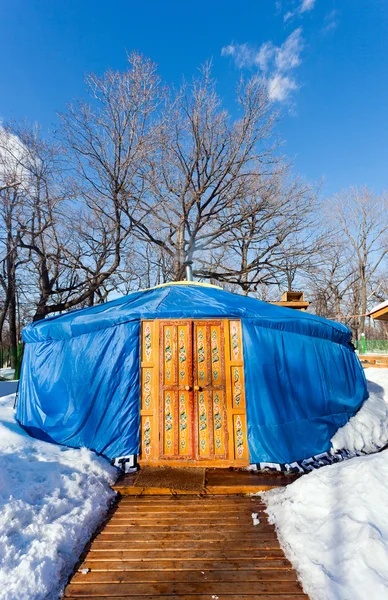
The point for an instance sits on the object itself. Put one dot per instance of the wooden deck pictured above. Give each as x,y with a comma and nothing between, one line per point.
185,547
219,482
379,361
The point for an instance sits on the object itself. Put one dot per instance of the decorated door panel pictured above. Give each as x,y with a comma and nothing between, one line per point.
176,381
211,440
236,391
148,389
193,400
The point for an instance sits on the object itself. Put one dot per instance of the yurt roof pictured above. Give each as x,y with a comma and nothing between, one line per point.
190,300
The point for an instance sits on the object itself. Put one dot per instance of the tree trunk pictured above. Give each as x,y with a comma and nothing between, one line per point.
363,300
11,293
179,269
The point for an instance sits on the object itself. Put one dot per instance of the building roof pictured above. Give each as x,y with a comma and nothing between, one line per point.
380,312
189,300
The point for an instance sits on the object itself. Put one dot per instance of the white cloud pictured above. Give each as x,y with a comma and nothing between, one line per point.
331,21
303,7
264,56
306,5
275,63
242,54
12,156
288,54
280,87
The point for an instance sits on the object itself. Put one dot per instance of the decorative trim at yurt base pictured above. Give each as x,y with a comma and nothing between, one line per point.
308,464
128,464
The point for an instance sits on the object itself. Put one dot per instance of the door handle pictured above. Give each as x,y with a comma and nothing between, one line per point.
197,388
188,388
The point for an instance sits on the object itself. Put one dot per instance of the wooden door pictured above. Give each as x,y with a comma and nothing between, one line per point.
193,399
210,413
176,411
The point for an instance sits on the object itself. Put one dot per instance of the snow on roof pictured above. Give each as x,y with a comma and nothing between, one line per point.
379,307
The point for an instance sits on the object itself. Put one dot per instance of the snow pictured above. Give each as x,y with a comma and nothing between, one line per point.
379,307
333,522
7,373
52,499
255,518
367,431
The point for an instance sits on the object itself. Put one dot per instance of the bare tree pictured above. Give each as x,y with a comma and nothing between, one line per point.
362,218
331,282
205,166
276,237
12,176
108,141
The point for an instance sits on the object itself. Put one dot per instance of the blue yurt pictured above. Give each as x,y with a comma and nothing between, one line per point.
187,373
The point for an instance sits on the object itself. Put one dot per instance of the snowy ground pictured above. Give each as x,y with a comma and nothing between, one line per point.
7,372
333,522
51,500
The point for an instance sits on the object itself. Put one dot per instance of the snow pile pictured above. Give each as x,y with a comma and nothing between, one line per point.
333,526
367,431
51,500
7,373
333,522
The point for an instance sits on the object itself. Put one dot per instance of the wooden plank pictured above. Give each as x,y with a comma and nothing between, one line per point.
125,527
189,554
187,527
212,509
185,547
171,542
122,518
243,477
188,544
224,490
192,499
183,565
172,533
230,529
220,588
132,533
192,518
218,481
182,576
178,517
271,596
212,512
178,505
178,508
171,538
181,506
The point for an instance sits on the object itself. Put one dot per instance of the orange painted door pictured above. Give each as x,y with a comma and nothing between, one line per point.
176,412
192,393
210,413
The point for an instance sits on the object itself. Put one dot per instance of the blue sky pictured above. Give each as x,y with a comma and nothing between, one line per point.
326,61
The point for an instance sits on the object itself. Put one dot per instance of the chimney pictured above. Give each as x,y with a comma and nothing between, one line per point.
189,270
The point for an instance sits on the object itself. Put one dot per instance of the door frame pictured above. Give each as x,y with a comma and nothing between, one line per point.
150,403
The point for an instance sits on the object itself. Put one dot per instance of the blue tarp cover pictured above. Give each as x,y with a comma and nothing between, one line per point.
80,380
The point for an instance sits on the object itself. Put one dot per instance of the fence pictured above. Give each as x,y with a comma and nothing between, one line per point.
368,346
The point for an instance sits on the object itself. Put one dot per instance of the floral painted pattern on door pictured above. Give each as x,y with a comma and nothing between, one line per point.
196,370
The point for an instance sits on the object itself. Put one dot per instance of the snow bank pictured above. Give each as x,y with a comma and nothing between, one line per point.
7,372
51,500
333,522
333,526
367,431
